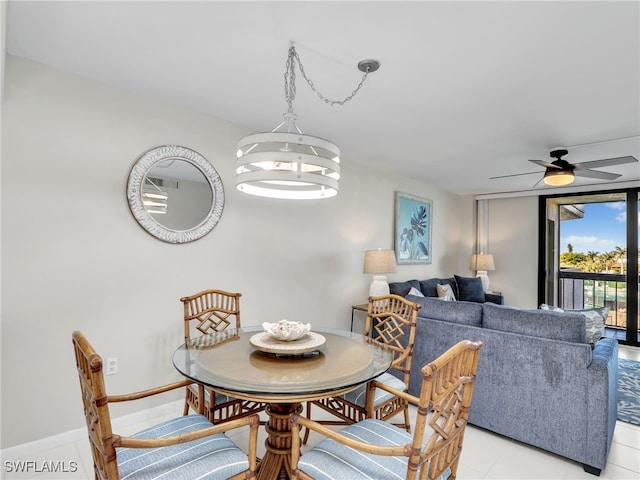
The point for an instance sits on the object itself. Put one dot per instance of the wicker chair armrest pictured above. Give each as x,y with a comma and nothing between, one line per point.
147,393
397,363
398,393
297,421
252,420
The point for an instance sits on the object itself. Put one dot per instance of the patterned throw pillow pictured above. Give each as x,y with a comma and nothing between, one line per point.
445,292
595,320
416,292
544,306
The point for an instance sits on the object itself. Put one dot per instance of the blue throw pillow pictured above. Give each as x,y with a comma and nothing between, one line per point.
403,288
470,289
428,287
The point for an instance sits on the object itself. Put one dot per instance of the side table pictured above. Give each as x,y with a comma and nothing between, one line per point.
361,308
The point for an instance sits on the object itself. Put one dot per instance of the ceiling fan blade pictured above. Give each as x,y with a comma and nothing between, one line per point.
544,164
513,175
605,162
595,174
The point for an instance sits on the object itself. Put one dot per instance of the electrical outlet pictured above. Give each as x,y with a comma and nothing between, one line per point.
112,366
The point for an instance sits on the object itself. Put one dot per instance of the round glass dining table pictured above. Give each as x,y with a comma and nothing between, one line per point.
244,363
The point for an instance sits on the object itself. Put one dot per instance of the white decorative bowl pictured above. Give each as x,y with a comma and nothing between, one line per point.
287,331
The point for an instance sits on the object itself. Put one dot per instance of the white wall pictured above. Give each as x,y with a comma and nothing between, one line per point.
466,234
513,241
74,258
3,42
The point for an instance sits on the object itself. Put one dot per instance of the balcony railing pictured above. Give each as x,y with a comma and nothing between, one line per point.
591,290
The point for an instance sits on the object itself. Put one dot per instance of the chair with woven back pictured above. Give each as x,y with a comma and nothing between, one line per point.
183,447
391,320
212,311
376,449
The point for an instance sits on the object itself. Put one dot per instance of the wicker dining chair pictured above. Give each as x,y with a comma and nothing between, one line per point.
183,447
376,449
212,311
391,320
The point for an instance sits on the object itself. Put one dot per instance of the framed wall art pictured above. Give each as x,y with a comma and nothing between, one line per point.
412,238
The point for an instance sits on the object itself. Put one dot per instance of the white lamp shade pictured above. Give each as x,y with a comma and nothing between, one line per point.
482,261
379,261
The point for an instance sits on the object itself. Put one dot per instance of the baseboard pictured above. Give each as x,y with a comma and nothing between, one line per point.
29,449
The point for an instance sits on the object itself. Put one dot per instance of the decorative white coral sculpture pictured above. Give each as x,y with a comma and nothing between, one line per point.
286,330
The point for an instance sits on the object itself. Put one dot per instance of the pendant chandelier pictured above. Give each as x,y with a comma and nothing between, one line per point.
286,163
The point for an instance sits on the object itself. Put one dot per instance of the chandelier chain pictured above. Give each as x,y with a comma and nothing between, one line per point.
290,86
290,80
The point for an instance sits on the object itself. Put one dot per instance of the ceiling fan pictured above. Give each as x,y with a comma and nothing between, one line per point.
560,172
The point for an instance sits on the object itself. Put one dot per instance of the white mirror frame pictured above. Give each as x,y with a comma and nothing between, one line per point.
141,168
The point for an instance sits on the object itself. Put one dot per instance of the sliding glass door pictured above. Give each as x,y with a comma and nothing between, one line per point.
589,256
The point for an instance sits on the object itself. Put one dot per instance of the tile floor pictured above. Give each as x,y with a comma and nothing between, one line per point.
485,455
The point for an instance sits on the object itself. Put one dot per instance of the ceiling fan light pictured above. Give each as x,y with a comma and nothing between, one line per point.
558,178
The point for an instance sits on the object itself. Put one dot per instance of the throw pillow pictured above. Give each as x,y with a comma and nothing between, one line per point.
553,308
595,320
416,292
428,287
445,292
402,288
470,289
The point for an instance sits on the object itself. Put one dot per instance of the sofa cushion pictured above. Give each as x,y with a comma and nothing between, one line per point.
402,288
465,313
568,327
470,289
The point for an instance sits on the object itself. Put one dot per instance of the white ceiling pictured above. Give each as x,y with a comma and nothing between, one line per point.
466,90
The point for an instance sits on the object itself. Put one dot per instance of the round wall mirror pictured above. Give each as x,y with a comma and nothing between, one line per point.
175,194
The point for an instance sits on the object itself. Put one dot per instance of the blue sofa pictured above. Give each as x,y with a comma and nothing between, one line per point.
539,381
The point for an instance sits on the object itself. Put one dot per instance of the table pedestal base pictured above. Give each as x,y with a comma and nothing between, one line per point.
276,463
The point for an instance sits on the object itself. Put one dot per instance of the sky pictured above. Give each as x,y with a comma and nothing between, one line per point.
601,229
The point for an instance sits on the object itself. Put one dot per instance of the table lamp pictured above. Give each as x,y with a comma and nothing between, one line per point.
378,262
481,263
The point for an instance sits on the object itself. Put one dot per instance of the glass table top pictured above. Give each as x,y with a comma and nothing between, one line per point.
230,361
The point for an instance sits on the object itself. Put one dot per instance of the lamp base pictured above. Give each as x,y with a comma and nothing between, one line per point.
379,286
484,278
